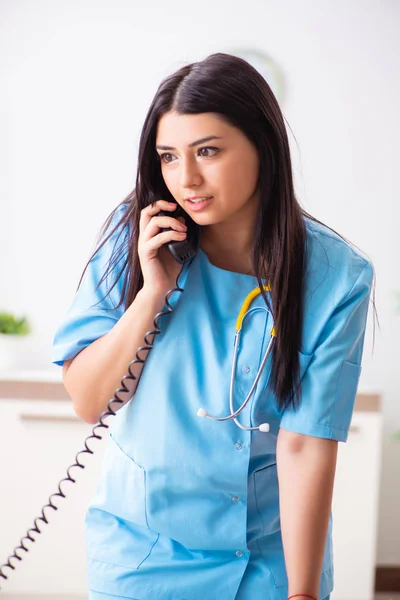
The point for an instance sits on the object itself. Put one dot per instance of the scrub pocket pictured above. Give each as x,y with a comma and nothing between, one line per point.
116,521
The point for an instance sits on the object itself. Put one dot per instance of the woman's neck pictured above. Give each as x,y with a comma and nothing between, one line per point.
227,248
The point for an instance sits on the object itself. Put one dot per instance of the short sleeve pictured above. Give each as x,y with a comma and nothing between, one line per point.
329,384
93,311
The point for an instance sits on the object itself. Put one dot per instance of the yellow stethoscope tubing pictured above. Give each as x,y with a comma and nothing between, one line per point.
248,300
244,312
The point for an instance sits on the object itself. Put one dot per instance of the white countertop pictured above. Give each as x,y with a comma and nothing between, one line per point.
51,375
47,384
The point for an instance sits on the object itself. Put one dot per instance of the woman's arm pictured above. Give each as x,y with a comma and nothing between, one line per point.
96,372
306,469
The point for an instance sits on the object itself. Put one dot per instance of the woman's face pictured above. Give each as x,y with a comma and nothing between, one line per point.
224,167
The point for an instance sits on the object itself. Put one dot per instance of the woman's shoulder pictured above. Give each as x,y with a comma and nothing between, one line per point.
114,233
332,260
321,241
115,218
110,252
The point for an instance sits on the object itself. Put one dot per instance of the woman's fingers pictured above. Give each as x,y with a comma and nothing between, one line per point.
163,238
151,234
157,223
150,211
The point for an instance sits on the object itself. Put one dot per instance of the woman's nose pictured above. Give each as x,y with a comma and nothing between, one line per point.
189,174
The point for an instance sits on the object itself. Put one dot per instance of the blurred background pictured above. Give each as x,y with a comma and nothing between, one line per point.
76,80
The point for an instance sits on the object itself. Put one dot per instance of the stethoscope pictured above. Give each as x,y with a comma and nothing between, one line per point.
244,312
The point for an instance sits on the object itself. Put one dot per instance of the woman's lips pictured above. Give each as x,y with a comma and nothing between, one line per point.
197,206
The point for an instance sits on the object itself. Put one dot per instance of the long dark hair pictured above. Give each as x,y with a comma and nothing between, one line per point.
237,93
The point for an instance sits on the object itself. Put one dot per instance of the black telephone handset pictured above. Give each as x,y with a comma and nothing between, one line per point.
186,249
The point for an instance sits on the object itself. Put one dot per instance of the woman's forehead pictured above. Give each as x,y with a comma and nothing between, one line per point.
174,128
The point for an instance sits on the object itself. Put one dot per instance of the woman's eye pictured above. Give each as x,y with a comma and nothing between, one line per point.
163,157
208,148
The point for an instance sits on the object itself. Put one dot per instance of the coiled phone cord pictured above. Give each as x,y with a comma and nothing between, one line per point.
100,424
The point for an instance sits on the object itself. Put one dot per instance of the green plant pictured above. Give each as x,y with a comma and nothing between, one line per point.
9,324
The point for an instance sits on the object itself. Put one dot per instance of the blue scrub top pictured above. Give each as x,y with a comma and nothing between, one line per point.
187,508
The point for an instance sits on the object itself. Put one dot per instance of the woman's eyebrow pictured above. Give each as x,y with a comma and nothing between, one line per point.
196,143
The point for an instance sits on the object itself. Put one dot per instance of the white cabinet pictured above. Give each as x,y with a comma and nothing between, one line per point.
39,440
355,508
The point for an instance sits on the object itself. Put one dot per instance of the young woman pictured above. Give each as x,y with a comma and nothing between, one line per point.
191,508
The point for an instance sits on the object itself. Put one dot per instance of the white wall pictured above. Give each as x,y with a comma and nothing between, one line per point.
77,78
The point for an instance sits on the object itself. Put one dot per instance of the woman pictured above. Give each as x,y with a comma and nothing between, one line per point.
200,508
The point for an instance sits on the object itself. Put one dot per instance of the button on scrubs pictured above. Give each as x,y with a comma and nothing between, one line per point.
187,508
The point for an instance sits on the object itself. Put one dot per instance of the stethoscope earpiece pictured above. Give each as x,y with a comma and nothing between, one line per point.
264,427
